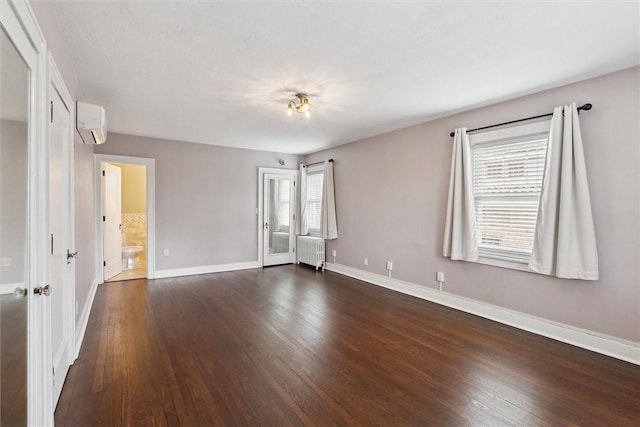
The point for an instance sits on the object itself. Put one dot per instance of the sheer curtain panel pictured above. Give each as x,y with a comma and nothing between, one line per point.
328,223
460,240
565,242
302,222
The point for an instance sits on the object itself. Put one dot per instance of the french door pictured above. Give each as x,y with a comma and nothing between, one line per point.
278,228
25,352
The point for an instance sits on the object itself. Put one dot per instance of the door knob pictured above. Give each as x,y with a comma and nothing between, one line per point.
20,293
42,290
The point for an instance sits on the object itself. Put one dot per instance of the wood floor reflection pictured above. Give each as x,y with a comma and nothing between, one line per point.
13,361
291,346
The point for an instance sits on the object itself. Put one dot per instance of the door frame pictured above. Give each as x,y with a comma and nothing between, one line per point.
19,22
260,209
151,209
69,312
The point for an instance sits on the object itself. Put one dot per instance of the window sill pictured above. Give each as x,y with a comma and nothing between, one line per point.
512,265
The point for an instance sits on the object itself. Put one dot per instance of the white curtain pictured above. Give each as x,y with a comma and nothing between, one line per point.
460,242
565,241
328,224
302,215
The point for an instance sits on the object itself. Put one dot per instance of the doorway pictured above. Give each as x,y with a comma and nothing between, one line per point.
126,218
277,203
125,221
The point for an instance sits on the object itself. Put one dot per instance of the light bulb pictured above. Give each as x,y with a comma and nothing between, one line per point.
289,110
307,114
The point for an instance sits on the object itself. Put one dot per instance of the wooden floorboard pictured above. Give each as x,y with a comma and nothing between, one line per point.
291,346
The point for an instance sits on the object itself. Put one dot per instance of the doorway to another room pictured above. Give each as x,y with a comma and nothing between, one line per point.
125,233
125,227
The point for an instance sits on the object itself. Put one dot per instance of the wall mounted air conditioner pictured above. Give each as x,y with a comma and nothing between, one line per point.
91,122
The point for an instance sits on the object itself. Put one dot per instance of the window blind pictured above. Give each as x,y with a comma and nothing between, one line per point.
507,179
314,199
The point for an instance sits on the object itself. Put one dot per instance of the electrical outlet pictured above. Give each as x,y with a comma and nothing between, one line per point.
389,265
165,252
333,253
366,261
5,262
440,276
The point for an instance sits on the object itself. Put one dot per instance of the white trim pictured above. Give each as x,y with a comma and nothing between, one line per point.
151,209
84,318
205,269
601,343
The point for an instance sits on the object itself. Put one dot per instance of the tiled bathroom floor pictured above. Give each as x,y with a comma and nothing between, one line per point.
138,273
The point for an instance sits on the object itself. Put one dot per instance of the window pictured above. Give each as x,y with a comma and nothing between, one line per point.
315,179
508,166
282,188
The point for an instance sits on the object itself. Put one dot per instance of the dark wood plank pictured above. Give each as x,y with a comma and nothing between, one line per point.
291,346
13,361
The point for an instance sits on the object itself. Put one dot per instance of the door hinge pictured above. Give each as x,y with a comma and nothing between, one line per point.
294,250
103,173
104,218
104,263
52,244
53,375
294,217
51,111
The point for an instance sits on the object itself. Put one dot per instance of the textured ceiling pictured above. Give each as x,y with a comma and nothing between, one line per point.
222,72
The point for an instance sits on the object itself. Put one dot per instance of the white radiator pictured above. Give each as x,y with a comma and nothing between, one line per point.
311,251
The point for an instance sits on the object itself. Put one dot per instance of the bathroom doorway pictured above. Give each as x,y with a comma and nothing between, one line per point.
125,207
125,230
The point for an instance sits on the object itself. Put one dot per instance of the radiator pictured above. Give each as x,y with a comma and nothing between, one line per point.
311,251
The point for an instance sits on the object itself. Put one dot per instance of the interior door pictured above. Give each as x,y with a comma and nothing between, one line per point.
14,215
279,220
60,228
112,220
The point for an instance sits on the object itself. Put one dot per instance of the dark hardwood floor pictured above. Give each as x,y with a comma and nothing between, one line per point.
290,346
13,361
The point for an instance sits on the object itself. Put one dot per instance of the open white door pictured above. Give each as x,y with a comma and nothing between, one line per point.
61,226
279,237
112,220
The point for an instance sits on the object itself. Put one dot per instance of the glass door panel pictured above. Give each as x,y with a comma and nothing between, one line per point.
279,225
14,137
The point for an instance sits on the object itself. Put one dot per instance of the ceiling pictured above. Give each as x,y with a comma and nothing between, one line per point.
222,72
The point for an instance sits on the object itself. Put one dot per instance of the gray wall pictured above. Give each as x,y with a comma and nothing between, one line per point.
206,198
84,218
13,200
391,195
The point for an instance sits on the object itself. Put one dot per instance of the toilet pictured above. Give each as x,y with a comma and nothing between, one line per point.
130,257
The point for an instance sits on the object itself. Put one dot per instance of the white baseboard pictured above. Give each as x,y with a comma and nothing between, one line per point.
81,326
190,271
601,343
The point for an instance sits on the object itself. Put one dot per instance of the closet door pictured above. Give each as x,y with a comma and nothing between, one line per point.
25,363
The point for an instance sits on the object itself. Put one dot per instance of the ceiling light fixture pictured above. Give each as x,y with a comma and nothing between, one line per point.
300,105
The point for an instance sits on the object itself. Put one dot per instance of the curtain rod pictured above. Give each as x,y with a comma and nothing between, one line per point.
316,163
585,107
